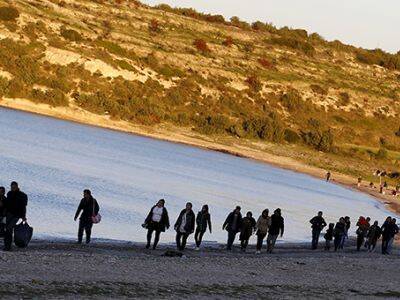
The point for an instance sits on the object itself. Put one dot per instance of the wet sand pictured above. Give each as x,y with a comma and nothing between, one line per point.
63,269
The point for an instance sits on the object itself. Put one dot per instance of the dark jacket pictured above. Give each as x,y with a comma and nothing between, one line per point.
329,234
247,228
16,203
164,222
389,230
230,225
340,229
88,207
190,221
317,223
374,233
203,220
277,225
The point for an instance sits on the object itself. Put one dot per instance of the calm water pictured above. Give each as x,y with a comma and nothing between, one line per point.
55,160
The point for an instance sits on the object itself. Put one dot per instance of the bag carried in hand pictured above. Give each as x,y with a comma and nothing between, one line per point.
95,218
22,235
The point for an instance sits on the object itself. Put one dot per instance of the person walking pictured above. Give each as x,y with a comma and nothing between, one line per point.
329,236
88,207
184,226
277,227
203,220
346,231
328,176
262,225
373,235
362,230
385,230
394,229
15,207
156,221
232,224
3,200
246,230
317,224
339,231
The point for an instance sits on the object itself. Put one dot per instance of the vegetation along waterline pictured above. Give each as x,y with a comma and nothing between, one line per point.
280,95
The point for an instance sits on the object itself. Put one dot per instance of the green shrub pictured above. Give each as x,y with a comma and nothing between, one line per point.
292,100
70,34
8,13
3,86
53,97
216,124
292,136
344,99
319,89
321,140
294,43
269,128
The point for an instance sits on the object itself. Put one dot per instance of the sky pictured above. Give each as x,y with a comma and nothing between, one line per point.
365,23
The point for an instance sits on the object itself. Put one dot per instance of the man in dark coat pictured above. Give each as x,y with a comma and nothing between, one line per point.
157,220
317,224
89,208
232,224
246,230
203,220
15,206
184,226
277,227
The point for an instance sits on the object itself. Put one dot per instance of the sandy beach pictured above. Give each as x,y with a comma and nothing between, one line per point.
106,269
188,137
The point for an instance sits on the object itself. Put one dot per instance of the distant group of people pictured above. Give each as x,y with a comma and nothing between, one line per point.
367,234
13,208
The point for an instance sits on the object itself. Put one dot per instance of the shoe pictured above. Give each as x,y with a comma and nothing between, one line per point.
197,249
147,246
258,252
7,249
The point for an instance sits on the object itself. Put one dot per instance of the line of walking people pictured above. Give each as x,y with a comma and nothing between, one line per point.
367,234
157,221
266,228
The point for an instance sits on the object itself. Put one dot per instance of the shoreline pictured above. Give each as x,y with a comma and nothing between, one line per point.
184,136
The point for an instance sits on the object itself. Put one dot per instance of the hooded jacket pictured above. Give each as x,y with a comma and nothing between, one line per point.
190,221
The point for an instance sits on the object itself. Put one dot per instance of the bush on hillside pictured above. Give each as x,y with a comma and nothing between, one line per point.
154,26
294,43
291,136
266,63
292,100
70,34
217,124
254,83
344,99
228,42
269,128
201,45
3,86
319,89
8,13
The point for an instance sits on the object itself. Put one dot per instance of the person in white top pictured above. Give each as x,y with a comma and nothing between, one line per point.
157,220
184,226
